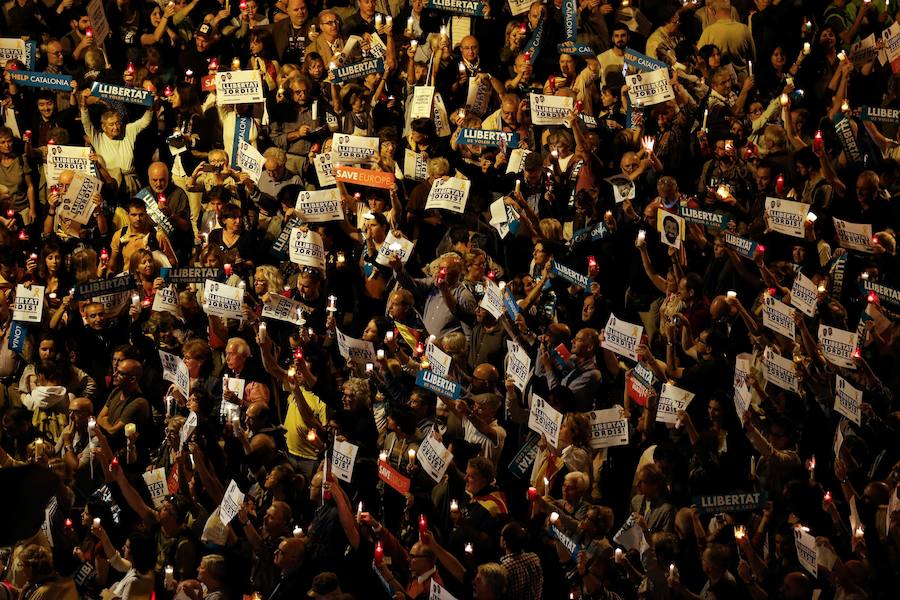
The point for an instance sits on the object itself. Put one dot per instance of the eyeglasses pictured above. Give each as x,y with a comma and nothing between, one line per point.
329,23
57,53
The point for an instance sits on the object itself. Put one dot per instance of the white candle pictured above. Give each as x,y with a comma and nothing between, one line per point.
750,67
332,304
618,554
170,575
731,294
409,24
359,510
468,548
298,531
389,21
130,429
389,336
412,456
377,21
811,217
379,354
642,235
262,331
518,186
135,299
91,424
454,505
383,456
96,521
554,517
705,117
806,48
369,368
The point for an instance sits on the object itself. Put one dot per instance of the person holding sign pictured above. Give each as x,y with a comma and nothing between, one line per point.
64,225
115,142
139,233
583,381
480,425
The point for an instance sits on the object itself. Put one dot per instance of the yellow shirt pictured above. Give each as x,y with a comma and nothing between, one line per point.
297,428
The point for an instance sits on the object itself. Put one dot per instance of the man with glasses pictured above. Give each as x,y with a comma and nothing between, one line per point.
296,124
330,39
56,63
125,404
73,445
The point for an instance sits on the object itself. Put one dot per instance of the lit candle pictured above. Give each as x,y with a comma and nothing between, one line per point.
468,548
672,570
383,456
827,497
96,521
532,493
389,336
298,532
412,457
554,517
170,575
518,186
842,56
462,68
68,523
332,304
228,269
377,21
414,44
379,553
130,429
821,289
750,67
811,217
731,294
454,505
812,469
359,510
806,48
379,354
817,141
740,532
91,424
369,368
423,524
235,64
784,99
443,31
409,24
389,21
642,235
311,435
262,330
619,554
845,106
705,117
779,184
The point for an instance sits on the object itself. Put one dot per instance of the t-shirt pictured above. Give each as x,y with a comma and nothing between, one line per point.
296,427
489,450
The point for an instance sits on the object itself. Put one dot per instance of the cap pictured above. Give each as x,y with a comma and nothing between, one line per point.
323,583
205,30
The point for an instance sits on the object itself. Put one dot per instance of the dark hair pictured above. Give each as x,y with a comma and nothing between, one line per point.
405,420
619,27
706,51
264,36
459,234
135,203
806,157
425,127
143,552
515,537
230,211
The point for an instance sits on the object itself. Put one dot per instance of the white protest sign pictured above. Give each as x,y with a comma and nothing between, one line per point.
891,39
190,424
415,165
807,551
517,7
623,188
353,149
492,301
779,317
29,304
392,246
631,536
324,164
438,359
545,419
420,106
231,503
166,300
854,236
434,457
501,214
649,88
838,345
804,295
169,364
622,337
239,87
437,592
343,457
478,95
439,114
550,110
283,309
222,300
99,24
156,483
66,158
609,428
517,160
12,49
518,365
847,399
450,194
863,51
320,206
786,216
183,379
359,351
780,371
743,392
671,400
250,160
77,203
306,249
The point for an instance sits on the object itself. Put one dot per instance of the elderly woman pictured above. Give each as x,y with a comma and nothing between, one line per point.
356,418
41,579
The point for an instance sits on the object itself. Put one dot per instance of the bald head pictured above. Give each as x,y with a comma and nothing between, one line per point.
485,377
158,174
291,553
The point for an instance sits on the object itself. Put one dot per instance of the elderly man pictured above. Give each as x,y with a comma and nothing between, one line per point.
442,298
75,438
64,226
298,123
56,63
732,38
330,39
114,142
583,380
126,403
239,372
480,425
174,215
275,176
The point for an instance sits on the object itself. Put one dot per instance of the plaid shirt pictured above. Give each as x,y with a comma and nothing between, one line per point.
525,579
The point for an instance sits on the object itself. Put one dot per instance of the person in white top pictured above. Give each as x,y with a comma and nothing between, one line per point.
480,426
114,142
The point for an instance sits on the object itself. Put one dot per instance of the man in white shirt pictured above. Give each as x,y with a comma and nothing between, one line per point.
614,59
732,38
480,426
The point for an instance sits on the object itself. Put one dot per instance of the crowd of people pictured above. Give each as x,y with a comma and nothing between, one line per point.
449,299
